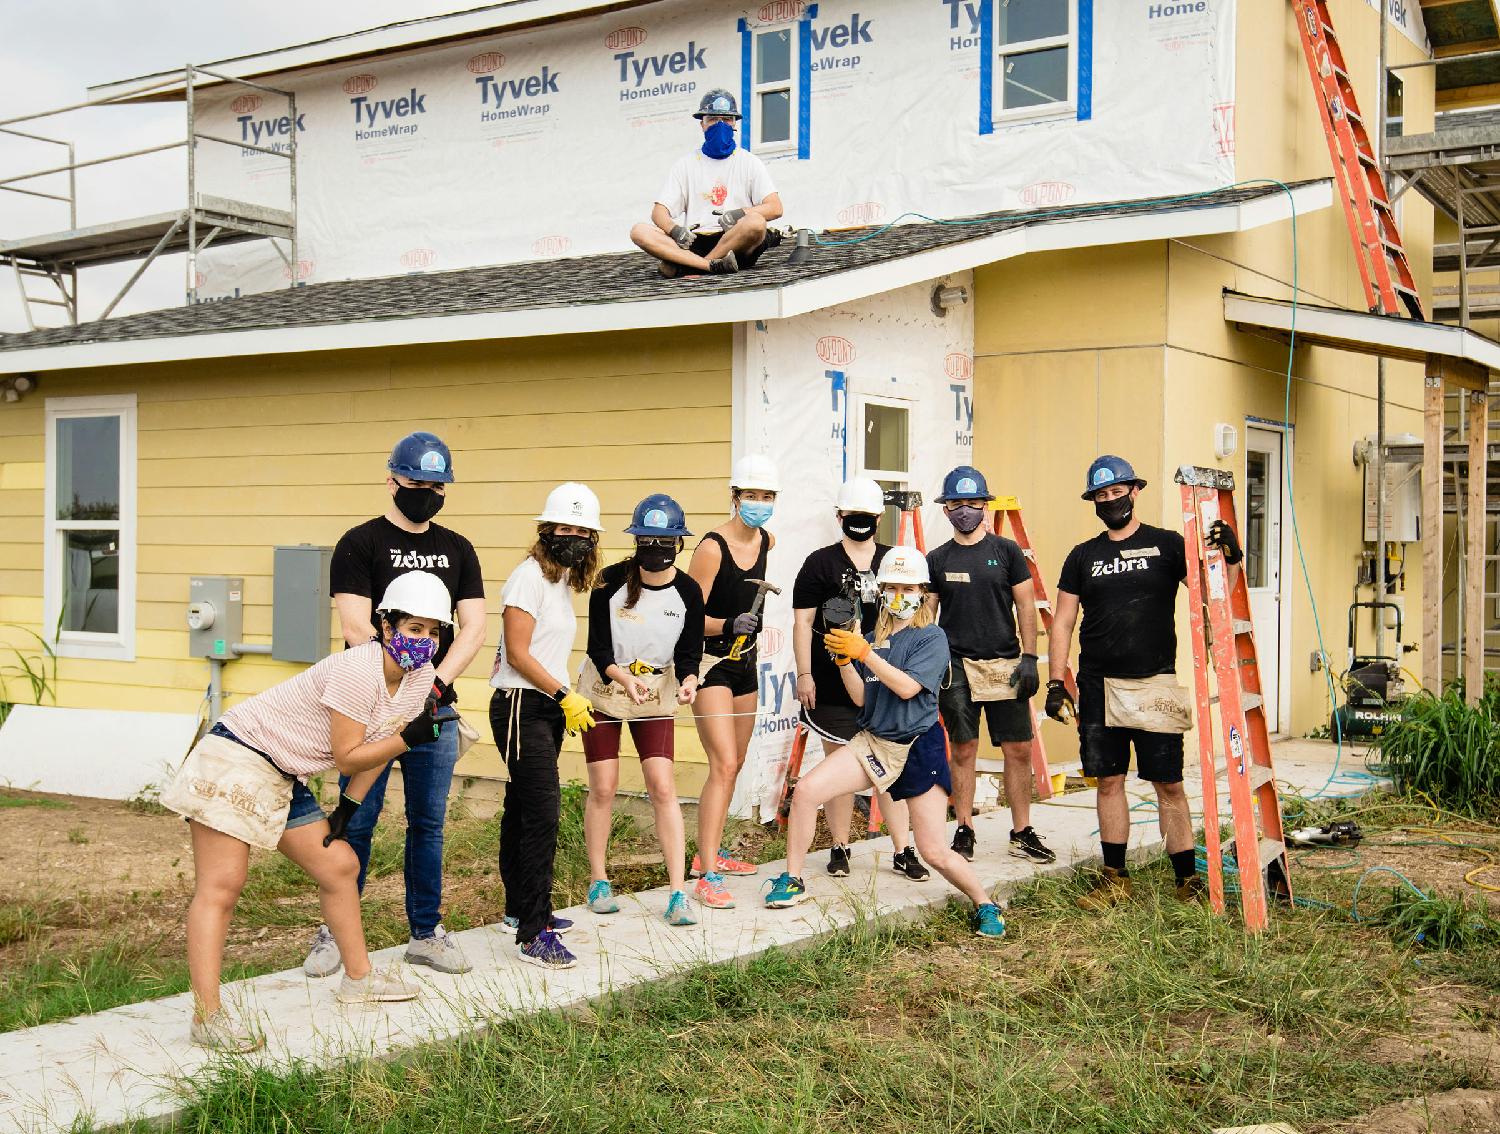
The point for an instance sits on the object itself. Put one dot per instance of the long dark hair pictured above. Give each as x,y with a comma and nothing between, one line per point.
580,578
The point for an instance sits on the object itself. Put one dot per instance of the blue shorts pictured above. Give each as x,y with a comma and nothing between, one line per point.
926,766
304,808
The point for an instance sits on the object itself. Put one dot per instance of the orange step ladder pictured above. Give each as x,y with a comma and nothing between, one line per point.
1219,617
1383,265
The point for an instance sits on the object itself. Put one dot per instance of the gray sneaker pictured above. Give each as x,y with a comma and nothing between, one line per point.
441,951
376,986
323,958
220,1033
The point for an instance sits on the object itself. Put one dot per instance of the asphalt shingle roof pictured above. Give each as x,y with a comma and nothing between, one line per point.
540,284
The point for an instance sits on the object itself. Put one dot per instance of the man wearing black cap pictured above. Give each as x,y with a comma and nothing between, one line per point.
711,215
1125,581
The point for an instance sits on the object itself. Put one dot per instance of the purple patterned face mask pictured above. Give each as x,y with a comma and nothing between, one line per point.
410,653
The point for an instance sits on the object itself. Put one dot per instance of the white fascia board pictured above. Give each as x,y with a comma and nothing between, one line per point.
1407,336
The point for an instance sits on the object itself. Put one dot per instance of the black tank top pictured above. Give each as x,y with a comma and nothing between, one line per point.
732,594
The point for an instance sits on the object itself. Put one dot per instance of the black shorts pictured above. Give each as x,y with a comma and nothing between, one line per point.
703,245
1106,750
1009,721
926,766
834,723
739,677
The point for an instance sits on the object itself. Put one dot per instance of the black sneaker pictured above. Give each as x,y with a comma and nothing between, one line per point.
838,861
906,862
963,841
1028,844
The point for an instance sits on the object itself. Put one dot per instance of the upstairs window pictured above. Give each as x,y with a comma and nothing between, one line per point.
1036,64
773,93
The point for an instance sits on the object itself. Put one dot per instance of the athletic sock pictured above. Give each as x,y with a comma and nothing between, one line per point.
1114,856
1184,864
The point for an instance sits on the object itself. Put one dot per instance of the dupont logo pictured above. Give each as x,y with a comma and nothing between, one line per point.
959,366
415,259
360,84
1047,193
304,270
772,638
835,350
551,245
622,39
246,104
485,62
866,212
199,279
1224,128
781,10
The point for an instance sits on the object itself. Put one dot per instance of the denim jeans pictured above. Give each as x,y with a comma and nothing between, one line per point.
426,775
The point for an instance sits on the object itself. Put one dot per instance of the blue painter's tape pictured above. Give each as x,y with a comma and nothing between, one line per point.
745,51
839,385
804,84
986,68
1085,60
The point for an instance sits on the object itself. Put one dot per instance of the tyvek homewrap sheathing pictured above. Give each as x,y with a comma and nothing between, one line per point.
552,141
801,385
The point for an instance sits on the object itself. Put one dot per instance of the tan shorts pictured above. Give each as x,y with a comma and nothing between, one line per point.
882,760
228,787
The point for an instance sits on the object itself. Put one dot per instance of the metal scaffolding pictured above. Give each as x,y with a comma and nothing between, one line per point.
56,257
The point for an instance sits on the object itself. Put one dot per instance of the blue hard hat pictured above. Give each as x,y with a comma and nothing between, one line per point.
422,456
658,515
1108,470
719,103
964,483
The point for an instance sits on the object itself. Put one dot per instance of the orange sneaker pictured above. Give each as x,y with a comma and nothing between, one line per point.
723,864
711,892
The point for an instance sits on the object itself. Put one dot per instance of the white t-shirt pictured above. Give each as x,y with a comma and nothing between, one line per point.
699,184
551,604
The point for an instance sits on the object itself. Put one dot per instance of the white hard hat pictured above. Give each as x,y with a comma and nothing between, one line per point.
755,471
903,565
573,504
862,495
420,594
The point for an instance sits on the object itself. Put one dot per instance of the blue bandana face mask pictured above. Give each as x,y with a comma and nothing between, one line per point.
718,141
410,653
755,512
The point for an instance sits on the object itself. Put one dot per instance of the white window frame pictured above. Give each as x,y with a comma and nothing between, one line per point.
790,84
901,476
119,646
1068,108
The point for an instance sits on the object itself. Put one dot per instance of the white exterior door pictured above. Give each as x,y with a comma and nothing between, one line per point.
1260,533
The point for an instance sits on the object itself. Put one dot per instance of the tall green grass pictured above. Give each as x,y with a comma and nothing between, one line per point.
29,668
1448,749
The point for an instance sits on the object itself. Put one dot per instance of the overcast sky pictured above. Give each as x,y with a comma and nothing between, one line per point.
51,50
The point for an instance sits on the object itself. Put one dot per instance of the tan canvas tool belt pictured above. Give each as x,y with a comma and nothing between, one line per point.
989,680
882,760
232,789
611,699
468,736
1152,704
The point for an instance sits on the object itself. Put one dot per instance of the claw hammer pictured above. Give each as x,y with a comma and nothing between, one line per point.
762,586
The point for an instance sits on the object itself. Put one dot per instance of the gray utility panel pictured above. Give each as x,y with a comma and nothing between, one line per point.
216,607
301,612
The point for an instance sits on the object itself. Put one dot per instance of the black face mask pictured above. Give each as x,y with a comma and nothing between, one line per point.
418,504
567,550
655,558
858,527
1115,513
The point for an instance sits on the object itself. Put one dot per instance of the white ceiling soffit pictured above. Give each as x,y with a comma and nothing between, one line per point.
687,310
1359,331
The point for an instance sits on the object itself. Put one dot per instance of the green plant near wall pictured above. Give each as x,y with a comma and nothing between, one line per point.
27,670
1448,749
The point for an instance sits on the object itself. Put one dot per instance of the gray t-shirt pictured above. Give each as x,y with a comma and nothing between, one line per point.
922,653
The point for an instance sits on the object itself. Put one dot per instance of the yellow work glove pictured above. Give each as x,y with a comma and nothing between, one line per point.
578,713
846,644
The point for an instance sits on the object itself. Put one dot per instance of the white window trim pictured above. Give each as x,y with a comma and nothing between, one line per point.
1068,108
119,646
790,84
900,476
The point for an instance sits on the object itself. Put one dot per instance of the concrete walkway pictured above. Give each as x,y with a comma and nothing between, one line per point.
124,1063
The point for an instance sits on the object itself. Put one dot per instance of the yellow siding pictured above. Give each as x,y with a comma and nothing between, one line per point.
237,456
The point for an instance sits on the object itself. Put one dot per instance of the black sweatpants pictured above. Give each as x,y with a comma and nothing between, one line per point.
528,728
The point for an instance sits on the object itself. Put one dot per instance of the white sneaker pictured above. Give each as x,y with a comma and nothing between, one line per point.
220,1033
323,958
441,951
376,986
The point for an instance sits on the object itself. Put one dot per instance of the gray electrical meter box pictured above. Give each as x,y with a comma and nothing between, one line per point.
301,611
216,608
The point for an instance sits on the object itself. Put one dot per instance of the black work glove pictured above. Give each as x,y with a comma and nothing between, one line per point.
1222,536
338,822
1025,680
728,220
1060,705
682,234
746,625
421,729
441,695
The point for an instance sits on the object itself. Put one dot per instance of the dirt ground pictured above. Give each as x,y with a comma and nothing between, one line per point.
1464,1111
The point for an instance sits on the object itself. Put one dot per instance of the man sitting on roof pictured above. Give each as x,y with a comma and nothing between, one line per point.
712,214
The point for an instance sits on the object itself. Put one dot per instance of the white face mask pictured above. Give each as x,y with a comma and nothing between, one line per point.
899,604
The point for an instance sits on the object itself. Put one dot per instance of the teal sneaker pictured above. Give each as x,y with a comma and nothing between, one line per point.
678,910
602,898
785,891
988,922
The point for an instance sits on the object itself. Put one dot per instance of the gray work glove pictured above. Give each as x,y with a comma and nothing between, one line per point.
728,220
746,625
682,234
